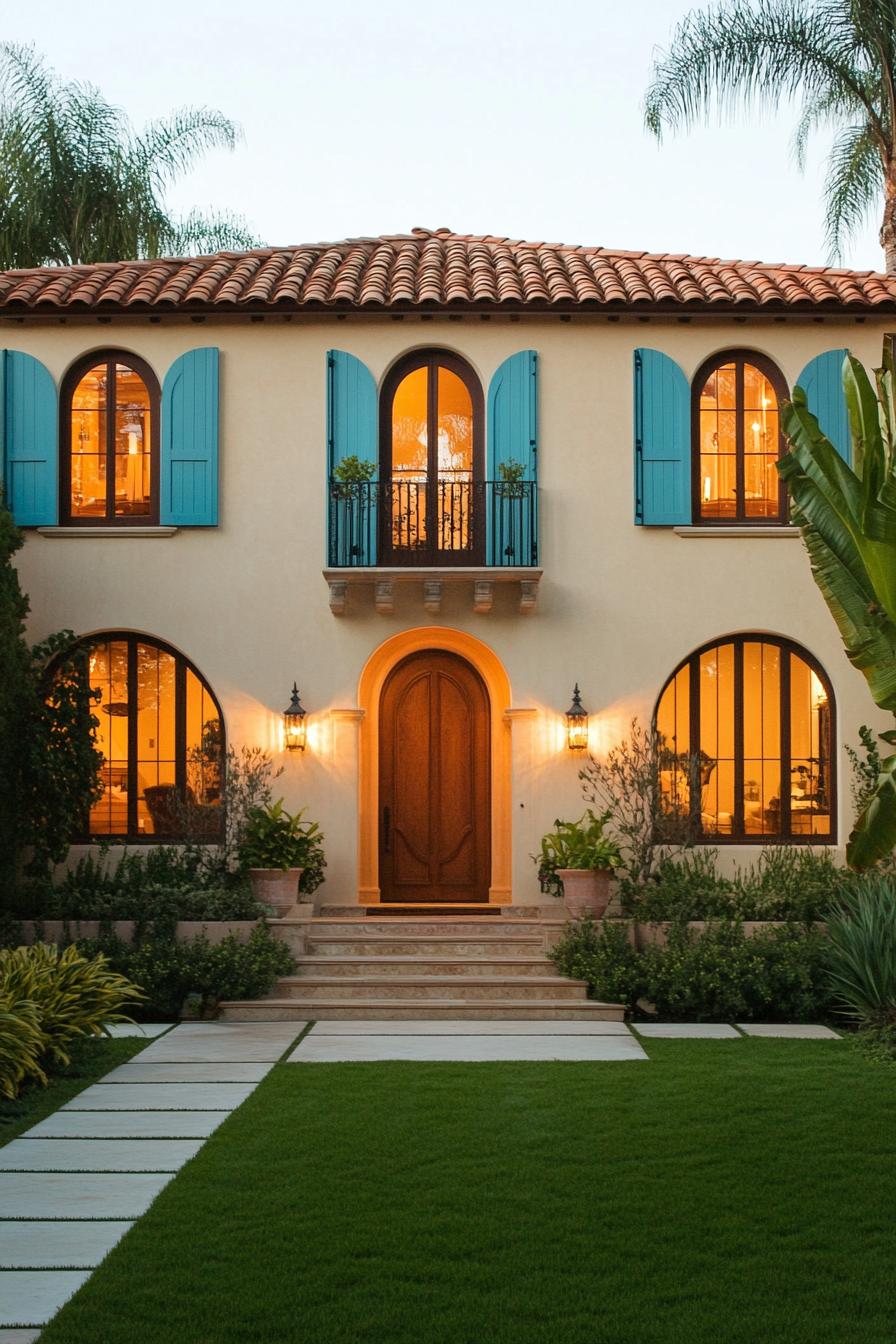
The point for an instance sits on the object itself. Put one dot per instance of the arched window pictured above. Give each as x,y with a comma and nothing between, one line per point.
110,427
737,440
747,728
432,462
161,733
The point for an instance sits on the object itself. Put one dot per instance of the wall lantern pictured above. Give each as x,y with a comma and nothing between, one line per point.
577,723
294,722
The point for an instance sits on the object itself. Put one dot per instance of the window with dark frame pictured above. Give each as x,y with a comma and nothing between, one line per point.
747,729
432,462
109,463
161,733
737,440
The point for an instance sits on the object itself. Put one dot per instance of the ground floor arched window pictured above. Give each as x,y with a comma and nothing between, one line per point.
161,733
747,734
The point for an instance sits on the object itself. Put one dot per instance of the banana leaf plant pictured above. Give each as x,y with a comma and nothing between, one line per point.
848,520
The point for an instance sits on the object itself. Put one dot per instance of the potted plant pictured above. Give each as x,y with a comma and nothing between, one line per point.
350,475
578,859
276,848
511,485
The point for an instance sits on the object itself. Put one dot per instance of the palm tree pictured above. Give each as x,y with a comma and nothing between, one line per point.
78,185
838,56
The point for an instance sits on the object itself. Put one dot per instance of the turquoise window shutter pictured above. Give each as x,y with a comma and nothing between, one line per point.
822,382
30,440
351,432
188,476
512,510
662,441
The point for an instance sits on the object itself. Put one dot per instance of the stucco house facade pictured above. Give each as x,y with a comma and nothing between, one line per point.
437,481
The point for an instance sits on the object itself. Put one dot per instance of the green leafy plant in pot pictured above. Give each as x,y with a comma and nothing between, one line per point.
577,860
351,475
276,848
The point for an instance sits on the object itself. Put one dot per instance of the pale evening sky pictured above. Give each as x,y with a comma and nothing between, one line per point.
511,117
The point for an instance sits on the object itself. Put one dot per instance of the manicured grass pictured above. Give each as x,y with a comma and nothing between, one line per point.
91,1058
724,1193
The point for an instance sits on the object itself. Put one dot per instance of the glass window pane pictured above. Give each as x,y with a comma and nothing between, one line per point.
673,729
454,444
410,459
762,738
716,754
810,752
88,445
157,809
108,672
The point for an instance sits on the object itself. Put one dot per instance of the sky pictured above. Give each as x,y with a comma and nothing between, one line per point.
517,118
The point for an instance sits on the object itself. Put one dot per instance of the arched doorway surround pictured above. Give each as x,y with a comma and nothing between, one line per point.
373,677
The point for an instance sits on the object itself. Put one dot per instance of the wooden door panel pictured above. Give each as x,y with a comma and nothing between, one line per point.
435,834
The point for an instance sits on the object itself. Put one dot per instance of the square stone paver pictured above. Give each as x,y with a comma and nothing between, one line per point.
793,1031
33,1297
161,1097
26,1245
43,1194
147,1029
459,1027
128,1125
15,1336
137,1072
688,1031
233,1042
329,1049
98,1154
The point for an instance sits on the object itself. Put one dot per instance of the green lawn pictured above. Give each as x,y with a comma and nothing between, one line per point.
91,1057
734,1192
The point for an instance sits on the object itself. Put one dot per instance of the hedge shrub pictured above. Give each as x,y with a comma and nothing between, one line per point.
719,975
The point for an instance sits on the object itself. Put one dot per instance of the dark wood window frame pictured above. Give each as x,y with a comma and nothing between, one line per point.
771,371
739,836
69,384
181,666
432,360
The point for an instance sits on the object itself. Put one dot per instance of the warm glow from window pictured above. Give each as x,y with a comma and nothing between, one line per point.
760,762
738,445
111,453
161,737
432,461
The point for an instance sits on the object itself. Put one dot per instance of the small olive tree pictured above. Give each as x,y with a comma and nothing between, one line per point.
647,789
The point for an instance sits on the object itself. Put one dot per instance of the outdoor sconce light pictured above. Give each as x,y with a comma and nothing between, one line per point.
294,722
577,723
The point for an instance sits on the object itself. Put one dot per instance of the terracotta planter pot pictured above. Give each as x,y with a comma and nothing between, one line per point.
586,891
276,887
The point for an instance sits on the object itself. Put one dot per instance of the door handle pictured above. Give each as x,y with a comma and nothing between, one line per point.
387,829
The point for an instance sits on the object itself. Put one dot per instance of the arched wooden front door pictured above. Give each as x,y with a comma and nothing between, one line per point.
434,790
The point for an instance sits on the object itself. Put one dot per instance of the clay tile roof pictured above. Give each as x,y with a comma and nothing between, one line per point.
433,269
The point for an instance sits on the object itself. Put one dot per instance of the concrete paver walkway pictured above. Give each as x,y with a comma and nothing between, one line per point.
72,1186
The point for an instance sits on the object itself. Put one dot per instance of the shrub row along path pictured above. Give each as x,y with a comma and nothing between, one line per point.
76,1182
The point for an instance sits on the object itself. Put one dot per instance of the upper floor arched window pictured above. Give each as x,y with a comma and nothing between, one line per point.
161,733
737,440
432,462
747,728
109,464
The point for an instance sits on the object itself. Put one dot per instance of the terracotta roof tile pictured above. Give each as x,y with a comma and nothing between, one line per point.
437,269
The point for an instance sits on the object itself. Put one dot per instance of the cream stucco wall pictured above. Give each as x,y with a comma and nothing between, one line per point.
619,605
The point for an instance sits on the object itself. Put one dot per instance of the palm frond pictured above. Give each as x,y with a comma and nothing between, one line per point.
855,179
202,233
168,147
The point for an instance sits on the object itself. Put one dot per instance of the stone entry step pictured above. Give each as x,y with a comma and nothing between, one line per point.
326,945
371,927
351,967
485,988
421,1010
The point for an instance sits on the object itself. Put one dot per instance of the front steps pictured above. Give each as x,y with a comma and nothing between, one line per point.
421,967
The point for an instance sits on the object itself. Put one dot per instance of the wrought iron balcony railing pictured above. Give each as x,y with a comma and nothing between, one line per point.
448,522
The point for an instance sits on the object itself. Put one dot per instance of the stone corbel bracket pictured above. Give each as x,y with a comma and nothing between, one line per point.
431,584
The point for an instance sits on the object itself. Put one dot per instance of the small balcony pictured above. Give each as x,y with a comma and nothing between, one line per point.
406,530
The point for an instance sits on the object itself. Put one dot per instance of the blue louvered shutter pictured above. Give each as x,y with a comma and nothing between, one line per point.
351,432
188,477
822,382
662,441
512,508
29,430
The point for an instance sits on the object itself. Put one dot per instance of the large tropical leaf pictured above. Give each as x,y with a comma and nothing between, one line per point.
874,835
